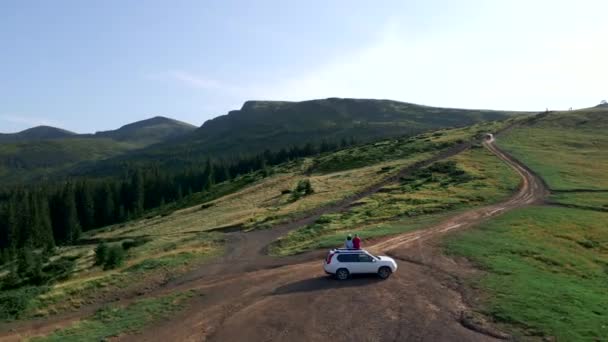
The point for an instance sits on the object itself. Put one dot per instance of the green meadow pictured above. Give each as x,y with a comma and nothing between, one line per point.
546,271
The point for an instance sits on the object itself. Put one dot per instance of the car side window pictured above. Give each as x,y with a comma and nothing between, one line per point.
365,258
347,258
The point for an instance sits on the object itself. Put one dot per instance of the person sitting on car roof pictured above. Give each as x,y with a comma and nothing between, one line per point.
357,242
349,242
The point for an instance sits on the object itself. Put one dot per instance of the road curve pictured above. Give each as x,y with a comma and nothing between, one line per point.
297,302
276,299
531,190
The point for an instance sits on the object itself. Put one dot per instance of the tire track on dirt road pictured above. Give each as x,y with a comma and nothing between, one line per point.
245,252
298,302
254,297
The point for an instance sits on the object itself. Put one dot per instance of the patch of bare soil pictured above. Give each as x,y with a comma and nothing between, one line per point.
249,296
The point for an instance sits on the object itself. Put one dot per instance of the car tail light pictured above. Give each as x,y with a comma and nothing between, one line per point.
329,256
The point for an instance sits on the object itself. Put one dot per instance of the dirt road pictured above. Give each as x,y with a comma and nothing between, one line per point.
423,301
250,296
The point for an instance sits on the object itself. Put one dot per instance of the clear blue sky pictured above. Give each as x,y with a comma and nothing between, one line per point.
96,65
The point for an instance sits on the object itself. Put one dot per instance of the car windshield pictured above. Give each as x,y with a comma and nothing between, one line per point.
373,256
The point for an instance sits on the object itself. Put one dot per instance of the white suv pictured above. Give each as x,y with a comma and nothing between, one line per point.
344,262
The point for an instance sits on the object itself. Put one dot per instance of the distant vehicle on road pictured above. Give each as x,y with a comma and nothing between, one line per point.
343,262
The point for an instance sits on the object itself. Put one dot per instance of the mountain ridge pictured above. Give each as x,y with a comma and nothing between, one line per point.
41,132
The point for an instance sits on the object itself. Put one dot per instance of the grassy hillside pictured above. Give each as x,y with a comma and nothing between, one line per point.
264,124
166,244
35,160
35,134
272,125
150,131
37,153
473,178
568,149
259,125
545,271
546,267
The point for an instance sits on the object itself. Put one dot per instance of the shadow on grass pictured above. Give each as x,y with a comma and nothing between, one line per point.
326,283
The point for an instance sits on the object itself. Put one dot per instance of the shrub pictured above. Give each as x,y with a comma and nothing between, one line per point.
128,244
12,279
115,258
303,188
101,253
323,219
25,262
59,270
14,302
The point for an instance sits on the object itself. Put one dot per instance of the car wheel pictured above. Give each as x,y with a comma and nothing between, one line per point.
384,272
342,274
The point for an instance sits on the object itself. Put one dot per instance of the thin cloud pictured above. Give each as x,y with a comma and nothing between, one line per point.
484,69
196,81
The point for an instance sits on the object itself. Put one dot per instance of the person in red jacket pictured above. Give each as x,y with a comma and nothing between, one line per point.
357,242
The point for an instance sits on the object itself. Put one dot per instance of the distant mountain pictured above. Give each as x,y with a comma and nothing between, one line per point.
273,125
257,126
149,131
35,153
36,134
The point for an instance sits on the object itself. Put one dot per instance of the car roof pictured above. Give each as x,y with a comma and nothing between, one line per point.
349,251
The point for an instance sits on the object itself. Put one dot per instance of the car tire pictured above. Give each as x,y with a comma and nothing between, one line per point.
384,272
342,274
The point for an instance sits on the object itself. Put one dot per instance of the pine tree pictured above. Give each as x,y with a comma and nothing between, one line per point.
137,184
108,206
115,257
4,228
25,223
85,206
208,175
25,262
37,276
12,224
42,227
13,279
46,225
71,224
101,253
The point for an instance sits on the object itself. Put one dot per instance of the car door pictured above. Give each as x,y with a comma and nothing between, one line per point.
350,262
366,264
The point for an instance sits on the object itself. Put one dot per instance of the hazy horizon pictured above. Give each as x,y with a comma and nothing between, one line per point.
88,67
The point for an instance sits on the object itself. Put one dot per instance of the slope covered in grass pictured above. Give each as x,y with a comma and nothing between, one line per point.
35,134
112,321
472,178
567,149
166,243
269,124
35,160
41,152
547,267
546,271
274,125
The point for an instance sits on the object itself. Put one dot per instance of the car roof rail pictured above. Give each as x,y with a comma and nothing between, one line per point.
348,250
